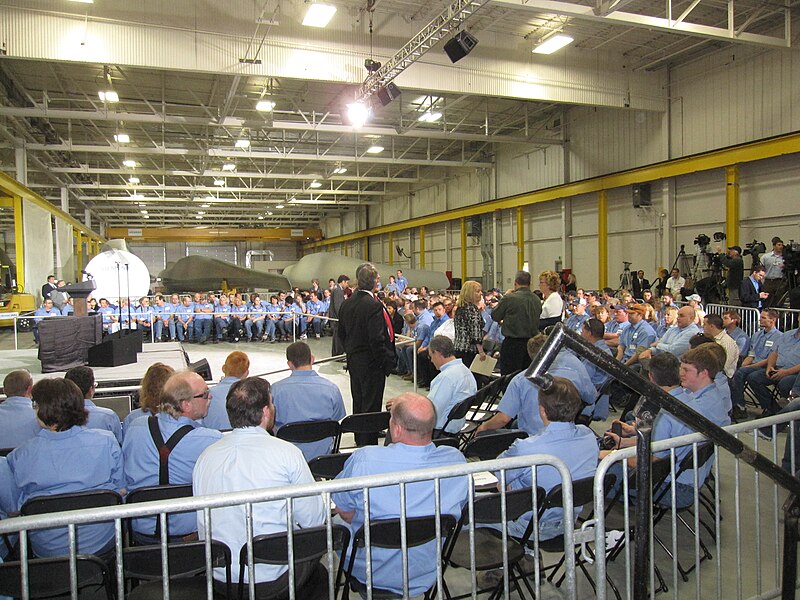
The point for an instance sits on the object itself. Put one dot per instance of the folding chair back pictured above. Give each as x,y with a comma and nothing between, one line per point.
49,577
152,493
446,441
327,466
40,505
488,508
491,445
308,431
386,533
363,423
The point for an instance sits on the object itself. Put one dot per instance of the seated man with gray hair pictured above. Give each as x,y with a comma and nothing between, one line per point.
454,383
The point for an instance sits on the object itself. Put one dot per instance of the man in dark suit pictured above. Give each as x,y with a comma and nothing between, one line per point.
337,299
751,292
49,287
366,332
640,284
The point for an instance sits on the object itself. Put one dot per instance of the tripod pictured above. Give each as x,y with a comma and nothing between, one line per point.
625,278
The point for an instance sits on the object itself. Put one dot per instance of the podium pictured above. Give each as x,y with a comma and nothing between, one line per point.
80,291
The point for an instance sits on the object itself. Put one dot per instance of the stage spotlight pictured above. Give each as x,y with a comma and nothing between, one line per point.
357,114
460,45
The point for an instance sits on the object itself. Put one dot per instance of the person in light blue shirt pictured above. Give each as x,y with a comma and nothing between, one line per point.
66,457
153,382
239,316
162,319
575,445
592,331
763,342
781,371
616,325
98,417
578,317
411,428
18,421
69,308
184,401
295,321
401,282
274,327
454,383
424,316
184,320
203,320
313,309
144,317
638,335
306,396
43,312
392,285
222,319
236,367
676,339
254,326
731,319
325,302
9,501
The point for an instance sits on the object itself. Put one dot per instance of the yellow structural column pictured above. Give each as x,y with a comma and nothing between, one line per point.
422,247
78,255
602,237
366,248
463,250
18,245
391,249
520,238
732,205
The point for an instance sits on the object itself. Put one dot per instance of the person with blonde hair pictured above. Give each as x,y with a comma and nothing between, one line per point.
149,393
553,304
468,324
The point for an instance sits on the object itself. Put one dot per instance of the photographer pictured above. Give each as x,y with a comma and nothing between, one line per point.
773,277
734,262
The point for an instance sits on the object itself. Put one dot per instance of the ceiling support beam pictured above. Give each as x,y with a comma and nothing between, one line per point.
145,234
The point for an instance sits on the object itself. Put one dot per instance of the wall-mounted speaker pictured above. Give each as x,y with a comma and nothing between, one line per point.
460,45
388,93
641,195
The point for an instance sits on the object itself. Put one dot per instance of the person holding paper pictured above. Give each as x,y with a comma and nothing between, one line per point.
468,324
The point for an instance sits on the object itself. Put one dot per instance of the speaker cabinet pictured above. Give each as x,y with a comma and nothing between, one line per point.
388,93
115,351
202,368
641,195
460,45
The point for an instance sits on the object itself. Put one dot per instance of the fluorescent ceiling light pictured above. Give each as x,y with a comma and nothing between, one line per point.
242,143
130,164
144,212
269,212
430,117
319,15
137,196
260,217
265,105
229,167
109,96
122,138
553,44
205,205
339,171
315,184
210,198
83,1
145,216
357,114
198,216
200,212
279,206
375,149
219,182
133,180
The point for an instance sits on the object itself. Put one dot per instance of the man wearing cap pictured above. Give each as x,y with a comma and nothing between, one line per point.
616,325
733,261
635,338
578,316
773,273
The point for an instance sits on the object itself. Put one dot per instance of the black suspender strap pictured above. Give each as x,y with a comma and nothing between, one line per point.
164,449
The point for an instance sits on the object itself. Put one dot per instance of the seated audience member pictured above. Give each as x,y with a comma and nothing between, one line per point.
783,365
763,342
661,282
254,326
411,427
425,369
274,328
236,367
149,393
666,302
184,320
578,317
18,421
313,310
695,373
713,328
184,400
670,320
63,458
144,317
306,396
576,445
552,305
593,331
222,320
99,417
731,319
454,383
616,326
203,319
635,338
695,301
676,338
163,319
405,353
521,398
45,311
249,458
720,380
239,317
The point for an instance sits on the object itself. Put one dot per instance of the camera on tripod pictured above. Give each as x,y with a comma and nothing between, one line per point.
754,248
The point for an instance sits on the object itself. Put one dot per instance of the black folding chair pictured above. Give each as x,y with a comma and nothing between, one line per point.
491,445
187,569
363,423
458,412
303,432
308,547
387,533
446,441
327,466
151,493
50,577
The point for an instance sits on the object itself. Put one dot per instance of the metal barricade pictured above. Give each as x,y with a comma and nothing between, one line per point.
750,316
206,504
788,318
726,543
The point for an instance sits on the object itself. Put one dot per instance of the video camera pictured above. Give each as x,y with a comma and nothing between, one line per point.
791,256
754,248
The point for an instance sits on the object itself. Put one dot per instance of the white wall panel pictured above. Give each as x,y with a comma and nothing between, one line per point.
521,170
65,257
768,200
37,243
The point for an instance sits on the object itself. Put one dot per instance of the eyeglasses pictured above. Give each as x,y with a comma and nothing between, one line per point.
204,395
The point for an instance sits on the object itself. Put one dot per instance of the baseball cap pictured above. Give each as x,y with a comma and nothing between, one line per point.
737,248
637,308
619,307
695,297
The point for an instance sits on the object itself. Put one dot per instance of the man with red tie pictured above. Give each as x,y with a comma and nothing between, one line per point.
365,330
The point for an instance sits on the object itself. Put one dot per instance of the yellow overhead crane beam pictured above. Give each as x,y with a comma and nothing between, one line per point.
228,234
716,159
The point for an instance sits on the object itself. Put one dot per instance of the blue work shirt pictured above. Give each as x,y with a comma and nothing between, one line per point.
576,446
435,324
43,313
454,383
596,374
614,326
401,283
788,350
203,306
217,417
145,314
742,340
18,421
576,321
425,318
313,308
103,418
184,313
763,343
136,413
384,503
9,501
307,396
164,312
641,334
222,311
62,462
67,310
676,340
141,464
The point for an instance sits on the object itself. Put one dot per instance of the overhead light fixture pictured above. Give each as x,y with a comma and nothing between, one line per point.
553,44
269,213
145,216
83,1
375,149
357,114
144,212
339,171
122,138
460,45
219,182
229,167
242,143
109,96
315,184
260,217
279,206
133,180
319,14
130,164
429,117
137,197
198,216
205,205
265,105
200,212
210,198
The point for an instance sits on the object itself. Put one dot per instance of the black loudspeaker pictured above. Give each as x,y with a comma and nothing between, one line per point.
641,195
202,368
114,351
460,45
388,93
